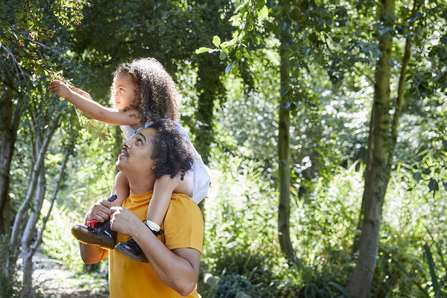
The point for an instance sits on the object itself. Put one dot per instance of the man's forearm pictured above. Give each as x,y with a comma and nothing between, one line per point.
178,270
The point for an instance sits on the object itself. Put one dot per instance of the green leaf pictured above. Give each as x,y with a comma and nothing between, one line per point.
442,53
409,277
431,266
417,16
433,185
202,50
263,13
444,39
216,41
280,9
341,289
417,176
444,183
223,55
336,39
229,67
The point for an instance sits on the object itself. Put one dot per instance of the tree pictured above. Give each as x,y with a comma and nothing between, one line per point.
26,56
24,41
383,135
344,40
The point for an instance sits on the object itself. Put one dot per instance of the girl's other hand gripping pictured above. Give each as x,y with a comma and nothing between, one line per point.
60,88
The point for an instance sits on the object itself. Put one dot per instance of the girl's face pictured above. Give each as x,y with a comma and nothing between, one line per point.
123,93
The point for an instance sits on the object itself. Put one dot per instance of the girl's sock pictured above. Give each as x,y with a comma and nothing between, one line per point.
153,226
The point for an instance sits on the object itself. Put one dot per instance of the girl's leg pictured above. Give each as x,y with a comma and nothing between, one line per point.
159,203
156,211
161,197
120,188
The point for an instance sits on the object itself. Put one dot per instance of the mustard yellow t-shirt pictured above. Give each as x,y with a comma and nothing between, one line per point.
183,228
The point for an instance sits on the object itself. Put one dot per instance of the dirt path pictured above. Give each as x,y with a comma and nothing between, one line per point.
58,283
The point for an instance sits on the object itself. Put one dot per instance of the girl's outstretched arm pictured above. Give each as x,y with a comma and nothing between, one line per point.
94,109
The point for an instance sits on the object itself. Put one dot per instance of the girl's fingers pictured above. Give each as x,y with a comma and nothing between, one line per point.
53,89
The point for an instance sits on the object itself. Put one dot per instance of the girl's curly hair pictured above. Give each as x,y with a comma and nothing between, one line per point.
171,149
156,92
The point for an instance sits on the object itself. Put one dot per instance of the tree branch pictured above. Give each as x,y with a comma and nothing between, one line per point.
32,185
44,46
400,88
353,65
53,198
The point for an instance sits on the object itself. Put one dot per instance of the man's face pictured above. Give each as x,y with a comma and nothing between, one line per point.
135,157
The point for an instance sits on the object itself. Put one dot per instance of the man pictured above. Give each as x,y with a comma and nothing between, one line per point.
173,256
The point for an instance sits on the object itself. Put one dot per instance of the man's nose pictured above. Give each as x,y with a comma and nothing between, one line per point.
127,143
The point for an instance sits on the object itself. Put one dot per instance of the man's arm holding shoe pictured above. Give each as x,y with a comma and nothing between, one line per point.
178,269
92,254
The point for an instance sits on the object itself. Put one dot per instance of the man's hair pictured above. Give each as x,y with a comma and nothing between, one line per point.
171,149
156,92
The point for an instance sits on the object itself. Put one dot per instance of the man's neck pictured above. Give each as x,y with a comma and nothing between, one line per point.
141,185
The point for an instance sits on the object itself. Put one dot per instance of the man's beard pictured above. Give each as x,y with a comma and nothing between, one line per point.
118,161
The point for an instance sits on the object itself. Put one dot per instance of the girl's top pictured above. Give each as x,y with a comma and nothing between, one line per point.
201,173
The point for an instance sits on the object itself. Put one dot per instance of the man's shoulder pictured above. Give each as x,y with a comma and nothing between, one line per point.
183,209
183,225
184,203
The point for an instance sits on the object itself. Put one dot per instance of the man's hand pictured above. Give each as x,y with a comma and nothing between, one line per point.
100,211
60,88
124,221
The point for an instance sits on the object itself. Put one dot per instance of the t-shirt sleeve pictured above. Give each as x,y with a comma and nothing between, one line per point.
183,224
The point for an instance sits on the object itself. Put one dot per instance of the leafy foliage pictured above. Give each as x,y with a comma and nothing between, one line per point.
230,285
225,57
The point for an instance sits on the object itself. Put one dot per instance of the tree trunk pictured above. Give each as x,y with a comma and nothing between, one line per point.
14,240
377,178
30,229
28,247
209,86
395,123
9,125
205,111
283,152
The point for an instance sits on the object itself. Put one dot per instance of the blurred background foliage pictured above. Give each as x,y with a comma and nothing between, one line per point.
232,91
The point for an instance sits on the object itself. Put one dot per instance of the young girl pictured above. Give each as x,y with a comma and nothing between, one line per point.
142,92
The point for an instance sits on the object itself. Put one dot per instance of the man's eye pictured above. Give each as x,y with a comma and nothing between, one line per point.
139,141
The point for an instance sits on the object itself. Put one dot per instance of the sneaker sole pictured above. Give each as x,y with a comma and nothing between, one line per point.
86,237
130,255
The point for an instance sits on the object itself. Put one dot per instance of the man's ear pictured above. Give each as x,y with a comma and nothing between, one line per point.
153,166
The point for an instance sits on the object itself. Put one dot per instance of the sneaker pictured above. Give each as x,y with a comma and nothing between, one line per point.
98,233
131,250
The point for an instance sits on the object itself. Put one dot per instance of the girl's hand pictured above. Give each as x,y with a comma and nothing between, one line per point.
82,93
60,88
